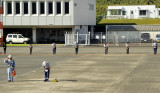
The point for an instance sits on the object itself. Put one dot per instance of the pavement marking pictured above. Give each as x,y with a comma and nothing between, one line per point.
81,54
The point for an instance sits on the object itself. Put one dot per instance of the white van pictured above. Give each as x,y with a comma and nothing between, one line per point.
16,38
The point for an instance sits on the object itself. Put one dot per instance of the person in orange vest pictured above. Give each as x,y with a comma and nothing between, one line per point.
11,67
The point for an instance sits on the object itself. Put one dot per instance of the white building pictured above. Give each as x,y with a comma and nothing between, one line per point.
48,19
133,12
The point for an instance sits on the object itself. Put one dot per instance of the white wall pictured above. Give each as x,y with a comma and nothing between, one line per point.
82,14
79,15
135,8
157,13
38,19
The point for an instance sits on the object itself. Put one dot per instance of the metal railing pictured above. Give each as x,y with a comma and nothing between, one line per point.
136,38
82,39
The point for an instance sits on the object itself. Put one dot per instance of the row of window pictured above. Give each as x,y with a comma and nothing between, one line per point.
118,12
34,7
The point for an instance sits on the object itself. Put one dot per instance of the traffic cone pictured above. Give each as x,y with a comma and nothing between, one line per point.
13,73
55,80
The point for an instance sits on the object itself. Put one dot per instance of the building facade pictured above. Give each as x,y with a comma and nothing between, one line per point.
133,12
48,20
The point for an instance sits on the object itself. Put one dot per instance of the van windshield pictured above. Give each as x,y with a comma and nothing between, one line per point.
158,35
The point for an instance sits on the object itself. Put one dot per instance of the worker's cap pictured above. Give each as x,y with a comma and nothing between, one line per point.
44,62
9,56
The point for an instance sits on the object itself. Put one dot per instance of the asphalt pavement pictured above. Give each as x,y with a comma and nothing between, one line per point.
91,71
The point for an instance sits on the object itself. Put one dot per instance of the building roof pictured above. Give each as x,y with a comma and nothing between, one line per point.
134,28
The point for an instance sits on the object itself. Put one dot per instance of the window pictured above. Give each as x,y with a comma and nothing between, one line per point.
25,8
20,36
142,12
17,7
132,12
58,7
50,8
42,7
60,33
34,10
123,12
14,36
9,7
66,7
9,36
91,7
115,12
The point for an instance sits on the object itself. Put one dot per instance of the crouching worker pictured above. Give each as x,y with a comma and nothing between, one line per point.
46,67
11,67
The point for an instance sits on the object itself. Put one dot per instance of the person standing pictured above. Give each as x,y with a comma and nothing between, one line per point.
155,46
30,47
46,68
11,67
76,47
106,45
4,47
127,47
54,48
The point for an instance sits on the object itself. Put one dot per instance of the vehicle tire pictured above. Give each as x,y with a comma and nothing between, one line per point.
25,42
10,42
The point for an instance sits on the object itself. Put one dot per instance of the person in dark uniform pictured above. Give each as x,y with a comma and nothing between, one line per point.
155,46
30,47
106,48
4,47
54,48
76,47
127,47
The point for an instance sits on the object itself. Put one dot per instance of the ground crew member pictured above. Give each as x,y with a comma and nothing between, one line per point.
30,47
11,67
46,68
4,47
76,47
127,47
155,46
106,45
54,48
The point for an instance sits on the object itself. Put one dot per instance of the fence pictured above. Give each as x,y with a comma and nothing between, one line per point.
82,39
133,37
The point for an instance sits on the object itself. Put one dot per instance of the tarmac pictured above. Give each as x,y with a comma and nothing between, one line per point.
91,71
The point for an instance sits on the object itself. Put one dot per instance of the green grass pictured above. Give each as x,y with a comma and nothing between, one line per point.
18,44
130,22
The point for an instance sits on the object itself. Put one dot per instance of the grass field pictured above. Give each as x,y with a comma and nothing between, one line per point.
17,44
130,21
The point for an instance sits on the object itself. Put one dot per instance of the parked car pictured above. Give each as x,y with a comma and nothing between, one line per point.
145,38
158,37
16,38
95,41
